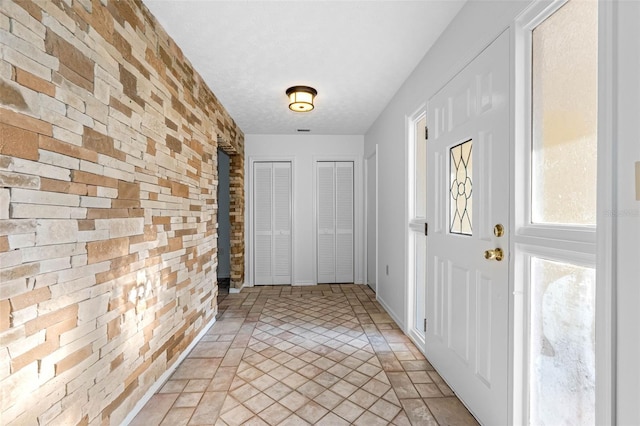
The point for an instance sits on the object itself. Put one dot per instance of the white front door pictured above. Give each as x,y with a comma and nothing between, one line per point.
468,195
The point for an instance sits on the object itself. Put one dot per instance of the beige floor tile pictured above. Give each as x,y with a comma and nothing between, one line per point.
326,379
178,416
311,412
450,411
385,409
428,390
417,365
275,414
348,410
294,420
376,387
402,385
404,355
258,403
197,385
389,361
255,421
295,363
232,358
154,411
209,408
369,369
311,389
444,388
363,398
418,413
332,419
419,377
249,374
356,378
391,397
369,419
197,368
210,350
294,400
229,404
278,391
263,382
328,399
339,370
280,372
222,379
401,419
344,388
188,399
295,380
237,415
310,371
244,392
174,386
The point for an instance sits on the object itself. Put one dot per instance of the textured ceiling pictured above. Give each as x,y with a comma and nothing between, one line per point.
356,54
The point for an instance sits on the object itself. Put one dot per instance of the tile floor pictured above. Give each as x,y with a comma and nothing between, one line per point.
323,355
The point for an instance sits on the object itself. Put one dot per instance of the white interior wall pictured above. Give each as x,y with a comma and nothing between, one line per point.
303,150
224,224
477,24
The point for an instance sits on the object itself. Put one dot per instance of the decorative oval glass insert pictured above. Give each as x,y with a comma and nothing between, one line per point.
460,188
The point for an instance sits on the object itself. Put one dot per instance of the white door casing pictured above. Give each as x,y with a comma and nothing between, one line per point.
371,219
467,295
416,238
272,222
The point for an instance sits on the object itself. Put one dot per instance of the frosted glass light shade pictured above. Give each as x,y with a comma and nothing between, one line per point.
301,98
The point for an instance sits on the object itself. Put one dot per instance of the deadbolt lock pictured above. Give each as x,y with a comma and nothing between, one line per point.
495,254
498,230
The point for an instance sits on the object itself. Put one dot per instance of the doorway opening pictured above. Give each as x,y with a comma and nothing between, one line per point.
224,222
371,220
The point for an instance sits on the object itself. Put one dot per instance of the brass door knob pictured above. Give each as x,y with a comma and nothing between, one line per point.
495,254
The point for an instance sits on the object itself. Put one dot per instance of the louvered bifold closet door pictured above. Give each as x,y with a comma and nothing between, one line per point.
326,223
282,223
335,222
344,222
263,222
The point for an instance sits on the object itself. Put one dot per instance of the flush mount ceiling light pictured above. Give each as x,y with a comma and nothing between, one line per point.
301,98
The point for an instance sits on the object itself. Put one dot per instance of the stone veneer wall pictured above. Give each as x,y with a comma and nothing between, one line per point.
107,208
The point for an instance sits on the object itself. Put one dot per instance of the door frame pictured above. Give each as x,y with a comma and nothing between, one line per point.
358,232
410,137
250,282
602,238
374,154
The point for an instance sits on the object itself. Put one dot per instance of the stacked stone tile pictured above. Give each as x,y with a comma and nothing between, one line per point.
108,141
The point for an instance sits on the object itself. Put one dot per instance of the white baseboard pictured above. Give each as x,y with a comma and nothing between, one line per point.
165,376
392,314
303,283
